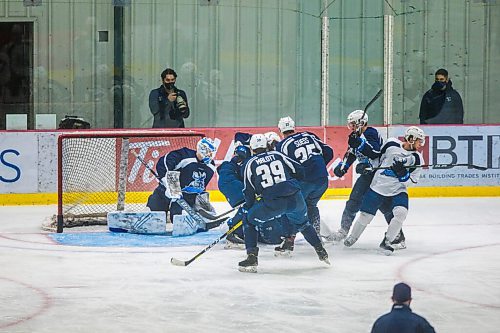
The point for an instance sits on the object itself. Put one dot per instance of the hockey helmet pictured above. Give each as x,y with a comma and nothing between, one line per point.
272,137
206,149
286,124
243,152
357,119
413,133
258,141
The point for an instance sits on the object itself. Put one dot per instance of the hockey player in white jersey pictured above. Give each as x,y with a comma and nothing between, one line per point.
391,184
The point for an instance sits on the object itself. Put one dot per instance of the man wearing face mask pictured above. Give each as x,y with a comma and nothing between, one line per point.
441,104
168,104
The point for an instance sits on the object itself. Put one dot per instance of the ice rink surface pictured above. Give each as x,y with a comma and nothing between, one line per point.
452,263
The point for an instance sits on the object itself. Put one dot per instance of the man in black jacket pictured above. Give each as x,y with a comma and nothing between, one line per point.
441,104
168,104
401,319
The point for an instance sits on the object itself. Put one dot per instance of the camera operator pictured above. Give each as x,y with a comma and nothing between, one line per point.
168,104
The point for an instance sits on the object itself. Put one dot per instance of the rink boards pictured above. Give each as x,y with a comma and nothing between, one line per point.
28,162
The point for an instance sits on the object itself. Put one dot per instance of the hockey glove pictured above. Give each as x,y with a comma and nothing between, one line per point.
354,140
363,168
398,167
341,169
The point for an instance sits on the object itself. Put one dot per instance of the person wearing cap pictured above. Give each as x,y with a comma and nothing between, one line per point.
401,319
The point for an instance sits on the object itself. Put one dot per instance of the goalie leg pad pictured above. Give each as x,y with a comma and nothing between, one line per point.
184,225
153,223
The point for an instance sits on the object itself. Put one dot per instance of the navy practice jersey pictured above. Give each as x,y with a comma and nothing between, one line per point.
194,175
230,181
271,175
369,151
308,150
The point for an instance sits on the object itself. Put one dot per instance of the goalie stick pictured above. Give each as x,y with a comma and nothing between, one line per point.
194,214
435,166
358,130
178,262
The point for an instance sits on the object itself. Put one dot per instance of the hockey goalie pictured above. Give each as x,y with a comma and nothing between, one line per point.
183,175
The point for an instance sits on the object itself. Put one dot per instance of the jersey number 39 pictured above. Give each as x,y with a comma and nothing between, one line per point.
271,174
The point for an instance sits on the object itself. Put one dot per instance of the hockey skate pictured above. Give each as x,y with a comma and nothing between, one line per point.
385,247
399,242
322,254
249,265
337,236
233,241
349,241
286,247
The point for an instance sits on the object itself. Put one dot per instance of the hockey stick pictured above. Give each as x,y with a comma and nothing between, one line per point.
358,130
435,166
210,217
194,214
178,262
377,95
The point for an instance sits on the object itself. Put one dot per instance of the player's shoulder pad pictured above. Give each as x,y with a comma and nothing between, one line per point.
371,132
184,152
243,138
391,142
313,135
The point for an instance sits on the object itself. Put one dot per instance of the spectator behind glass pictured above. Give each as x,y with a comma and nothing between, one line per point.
168,104
401,319
441,104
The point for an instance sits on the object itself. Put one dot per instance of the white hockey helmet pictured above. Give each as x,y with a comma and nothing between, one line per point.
413,133
206,149
258,141
286,124
357,119
272,137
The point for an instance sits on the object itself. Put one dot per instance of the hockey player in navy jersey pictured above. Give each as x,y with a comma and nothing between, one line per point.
309,151
364,143
196,169
391,184
230,183
272,177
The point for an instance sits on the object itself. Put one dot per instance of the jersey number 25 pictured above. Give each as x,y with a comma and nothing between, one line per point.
303,153
271,174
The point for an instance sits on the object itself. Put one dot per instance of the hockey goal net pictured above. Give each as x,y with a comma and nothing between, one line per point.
103,171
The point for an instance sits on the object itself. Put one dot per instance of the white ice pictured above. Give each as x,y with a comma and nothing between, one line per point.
452,263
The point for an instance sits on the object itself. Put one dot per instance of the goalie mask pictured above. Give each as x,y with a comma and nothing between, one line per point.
205,148
413,133
286,124
357,119
258,141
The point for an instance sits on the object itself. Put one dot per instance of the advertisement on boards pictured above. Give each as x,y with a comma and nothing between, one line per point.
19,163
28,160
473,145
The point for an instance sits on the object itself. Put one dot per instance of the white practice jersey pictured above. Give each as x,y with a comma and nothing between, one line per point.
389,185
